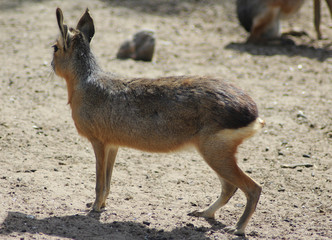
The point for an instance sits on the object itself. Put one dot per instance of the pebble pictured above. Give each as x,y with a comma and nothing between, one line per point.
190,225
146,223
297,165
31,217
300,114
239,205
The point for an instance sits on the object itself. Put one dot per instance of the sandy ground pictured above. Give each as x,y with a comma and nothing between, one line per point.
47,173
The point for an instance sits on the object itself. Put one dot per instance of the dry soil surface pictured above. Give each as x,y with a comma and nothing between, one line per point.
47,173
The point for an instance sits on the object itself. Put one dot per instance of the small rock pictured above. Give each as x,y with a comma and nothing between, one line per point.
146,223
300,114
284,142
190,225
239,205
297,165
128,198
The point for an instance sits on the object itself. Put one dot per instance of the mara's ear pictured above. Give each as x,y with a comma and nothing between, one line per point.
63,28
86,26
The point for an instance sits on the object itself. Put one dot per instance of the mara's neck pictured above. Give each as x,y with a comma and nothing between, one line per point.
84,65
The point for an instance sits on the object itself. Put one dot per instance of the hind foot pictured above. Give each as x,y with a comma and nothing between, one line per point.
204,214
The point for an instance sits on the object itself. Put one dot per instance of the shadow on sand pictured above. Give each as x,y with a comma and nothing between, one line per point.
320,54
89,227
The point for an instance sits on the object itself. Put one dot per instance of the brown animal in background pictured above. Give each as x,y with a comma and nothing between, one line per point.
261,18
157,115
141,47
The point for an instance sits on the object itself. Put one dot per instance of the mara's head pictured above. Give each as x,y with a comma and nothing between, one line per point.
72,47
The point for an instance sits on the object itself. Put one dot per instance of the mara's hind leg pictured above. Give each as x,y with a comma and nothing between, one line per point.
219,152
252,191
227,192
265,26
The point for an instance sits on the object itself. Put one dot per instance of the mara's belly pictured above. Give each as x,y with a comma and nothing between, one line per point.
152,141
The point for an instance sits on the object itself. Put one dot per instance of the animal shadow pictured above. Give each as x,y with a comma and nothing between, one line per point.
89,227
290,50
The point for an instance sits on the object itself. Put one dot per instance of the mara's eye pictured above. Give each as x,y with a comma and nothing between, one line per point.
55,48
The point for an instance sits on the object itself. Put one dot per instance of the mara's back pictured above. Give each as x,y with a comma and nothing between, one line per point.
163,112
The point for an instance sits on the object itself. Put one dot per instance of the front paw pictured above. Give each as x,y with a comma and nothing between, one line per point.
96,207
234,231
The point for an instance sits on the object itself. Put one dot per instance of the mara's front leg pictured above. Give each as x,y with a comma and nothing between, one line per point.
105,157
110,156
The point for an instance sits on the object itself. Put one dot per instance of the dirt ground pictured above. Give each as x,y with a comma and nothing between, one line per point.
47,173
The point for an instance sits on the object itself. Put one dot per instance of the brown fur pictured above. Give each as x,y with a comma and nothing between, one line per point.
158,115
262,17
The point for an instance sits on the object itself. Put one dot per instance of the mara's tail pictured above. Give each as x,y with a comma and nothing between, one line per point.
240,134
251,129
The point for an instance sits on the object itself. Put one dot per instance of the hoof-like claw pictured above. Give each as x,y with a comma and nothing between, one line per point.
195,214
234,231
95,208
200,214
